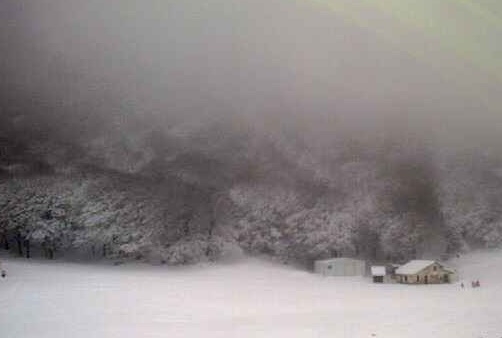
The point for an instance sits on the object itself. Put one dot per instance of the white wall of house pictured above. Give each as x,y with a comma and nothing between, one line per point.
340,267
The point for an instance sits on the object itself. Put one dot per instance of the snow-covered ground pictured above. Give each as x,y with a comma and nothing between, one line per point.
249,298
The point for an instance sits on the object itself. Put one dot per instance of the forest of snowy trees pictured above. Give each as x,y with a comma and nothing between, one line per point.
176,198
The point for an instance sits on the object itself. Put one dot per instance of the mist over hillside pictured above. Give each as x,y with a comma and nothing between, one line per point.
180,131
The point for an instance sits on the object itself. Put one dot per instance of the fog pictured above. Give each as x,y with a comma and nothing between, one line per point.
366,128
314,66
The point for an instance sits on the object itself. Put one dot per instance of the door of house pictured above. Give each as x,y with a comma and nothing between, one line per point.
377,279
426,279
446,278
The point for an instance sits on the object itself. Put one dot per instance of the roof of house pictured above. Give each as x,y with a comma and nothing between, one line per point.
378,270
339,259
413,267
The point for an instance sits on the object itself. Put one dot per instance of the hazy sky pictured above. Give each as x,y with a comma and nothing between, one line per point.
312,63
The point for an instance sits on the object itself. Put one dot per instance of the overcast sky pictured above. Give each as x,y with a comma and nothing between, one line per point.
310,63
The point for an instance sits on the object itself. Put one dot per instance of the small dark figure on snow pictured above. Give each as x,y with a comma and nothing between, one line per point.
462,285
477,283
4,274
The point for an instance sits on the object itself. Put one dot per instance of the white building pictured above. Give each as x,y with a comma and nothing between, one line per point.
340,267
378,273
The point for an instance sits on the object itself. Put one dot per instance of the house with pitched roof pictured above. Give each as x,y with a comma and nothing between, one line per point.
424,272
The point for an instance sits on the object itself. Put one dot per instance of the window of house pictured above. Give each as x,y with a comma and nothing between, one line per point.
418,278
329,267
434,268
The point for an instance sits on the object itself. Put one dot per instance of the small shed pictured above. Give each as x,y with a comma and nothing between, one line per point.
378,273
340,267
424,272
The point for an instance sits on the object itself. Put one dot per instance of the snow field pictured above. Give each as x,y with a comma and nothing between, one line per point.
249,298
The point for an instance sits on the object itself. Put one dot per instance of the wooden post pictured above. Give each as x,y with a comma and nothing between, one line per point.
19,244
27,247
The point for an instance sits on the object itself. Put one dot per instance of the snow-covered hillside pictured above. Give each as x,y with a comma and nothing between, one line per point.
249,298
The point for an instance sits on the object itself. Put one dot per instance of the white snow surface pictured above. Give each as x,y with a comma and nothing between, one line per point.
248,298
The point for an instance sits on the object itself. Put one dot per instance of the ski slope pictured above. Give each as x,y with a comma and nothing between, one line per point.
248,298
